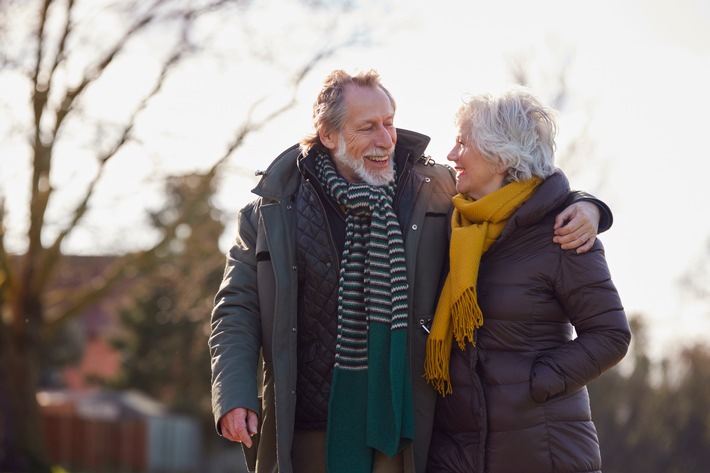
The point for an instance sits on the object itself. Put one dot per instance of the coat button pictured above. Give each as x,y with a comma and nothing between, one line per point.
414,227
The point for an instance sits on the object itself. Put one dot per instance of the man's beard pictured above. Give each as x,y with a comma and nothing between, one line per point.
376,177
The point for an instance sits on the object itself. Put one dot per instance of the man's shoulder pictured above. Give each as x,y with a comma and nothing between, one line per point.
285,161
428,167
412,142
281,177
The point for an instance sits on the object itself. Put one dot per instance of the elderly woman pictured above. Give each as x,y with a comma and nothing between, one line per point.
533,324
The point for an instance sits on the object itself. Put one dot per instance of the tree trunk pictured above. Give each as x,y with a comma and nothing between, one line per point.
22,439
10,458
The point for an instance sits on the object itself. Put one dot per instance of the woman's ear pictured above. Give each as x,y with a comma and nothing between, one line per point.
498,168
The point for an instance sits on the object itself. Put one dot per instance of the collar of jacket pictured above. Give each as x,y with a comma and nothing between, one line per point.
550,196
282,178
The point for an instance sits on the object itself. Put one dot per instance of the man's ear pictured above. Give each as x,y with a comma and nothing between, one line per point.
328,139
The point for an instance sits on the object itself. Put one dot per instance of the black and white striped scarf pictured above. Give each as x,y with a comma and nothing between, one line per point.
370,402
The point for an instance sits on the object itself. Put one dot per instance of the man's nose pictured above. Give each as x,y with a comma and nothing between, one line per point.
384,138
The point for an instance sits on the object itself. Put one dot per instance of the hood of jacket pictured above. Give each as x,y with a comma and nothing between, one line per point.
551,195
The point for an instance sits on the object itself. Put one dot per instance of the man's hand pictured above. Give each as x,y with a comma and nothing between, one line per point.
577,226
239,425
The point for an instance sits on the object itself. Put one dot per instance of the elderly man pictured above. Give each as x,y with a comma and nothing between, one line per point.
330,288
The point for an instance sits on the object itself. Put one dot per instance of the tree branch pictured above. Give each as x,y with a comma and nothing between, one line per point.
40,176
54,250
59,57
250,125
62,305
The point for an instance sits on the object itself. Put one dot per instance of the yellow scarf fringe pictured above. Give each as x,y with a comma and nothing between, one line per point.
475,226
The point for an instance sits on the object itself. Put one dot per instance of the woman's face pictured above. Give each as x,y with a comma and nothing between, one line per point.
475,177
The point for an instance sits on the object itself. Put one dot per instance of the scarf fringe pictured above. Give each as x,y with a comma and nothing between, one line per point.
436,365
467,317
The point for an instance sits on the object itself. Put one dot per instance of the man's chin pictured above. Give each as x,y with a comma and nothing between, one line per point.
378,179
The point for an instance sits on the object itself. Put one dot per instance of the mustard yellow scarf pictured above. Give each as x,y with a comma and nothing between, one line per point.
475,226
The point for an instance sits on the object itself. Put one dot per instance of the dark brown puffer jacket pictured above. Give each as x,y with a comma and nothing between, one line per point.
520,402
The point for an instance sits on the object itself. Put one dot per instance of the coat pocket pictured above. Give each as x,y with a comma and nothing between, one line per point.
546,381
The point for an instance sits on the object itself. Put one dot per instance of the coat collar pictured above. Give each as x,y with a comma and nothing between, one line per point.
550,195
282,178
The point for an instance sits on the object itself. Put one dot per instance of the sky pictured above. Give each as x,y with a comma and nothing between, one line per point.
637,75
638,78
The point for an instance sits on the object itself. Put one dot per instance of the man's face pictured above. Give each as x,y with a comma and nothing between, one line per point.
363,149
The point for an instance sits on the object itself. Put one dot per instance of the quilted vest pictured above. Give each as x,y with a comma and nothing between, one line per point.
318,267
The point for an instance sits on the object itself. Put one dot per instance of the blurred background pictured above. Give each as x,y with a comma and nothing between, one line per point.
130,133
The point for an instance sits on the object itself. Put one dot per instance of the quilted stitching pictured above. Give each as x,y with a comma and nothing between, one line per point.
317,314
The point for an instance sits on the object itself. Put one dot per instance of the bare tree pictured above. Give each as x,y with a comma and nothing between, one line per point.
546,70
63,53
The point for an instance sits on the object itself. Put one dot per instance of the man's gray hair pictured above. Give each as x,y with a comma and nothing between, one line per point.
329,110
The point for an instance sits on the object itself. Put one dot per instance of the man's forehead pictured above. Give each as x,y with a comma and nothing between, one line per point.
367,104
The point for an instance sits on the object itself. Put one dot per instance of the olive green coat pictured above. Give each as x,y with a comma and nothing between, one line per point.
255,309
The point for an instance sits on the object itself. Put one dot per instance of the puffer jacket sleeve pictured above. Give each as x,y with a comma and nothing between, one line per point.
235,339
606,218
584,287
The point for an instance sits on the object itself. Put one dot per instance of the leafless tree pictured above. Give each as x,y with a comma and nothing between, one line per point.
546,70
63,56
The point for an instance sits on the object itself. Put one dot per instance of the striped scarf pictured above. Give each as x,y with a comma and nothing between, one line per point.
370,406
